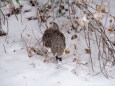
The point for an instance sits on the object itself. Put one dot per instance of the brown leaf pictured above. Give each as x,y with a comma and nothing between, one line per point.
103,11
49,7
30,54
2,33
74,46
97,15
110,21
8,15
114,17
110,30
67,51
30,51
74,37
98,7
32,3
30,18
27,11
88,51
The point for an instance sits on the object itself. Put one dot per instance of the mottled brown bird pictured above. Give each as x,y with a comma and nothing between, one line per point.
55,40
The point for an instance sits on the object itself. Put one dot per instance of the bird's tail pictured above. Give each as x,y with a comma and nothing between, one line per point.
58,59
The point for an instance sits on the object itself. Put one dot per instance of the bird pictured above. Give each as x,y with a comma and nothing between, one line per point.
54,39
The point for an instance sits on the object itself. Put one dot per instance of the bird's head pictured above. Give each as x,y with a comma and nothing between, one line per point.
54,25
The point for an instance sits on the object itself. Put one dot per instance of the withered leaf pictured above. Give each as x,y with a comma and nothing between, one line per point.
110,20
98,7
67,51
88,51
74,37
30,54
110,30
114,17
103,11
74,46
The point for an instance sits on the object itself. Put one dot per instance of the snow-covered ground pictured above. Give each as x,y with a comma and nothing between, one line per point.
17,69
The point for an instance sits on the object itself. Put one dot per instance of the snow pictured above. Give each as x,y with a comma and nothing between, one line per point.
17,69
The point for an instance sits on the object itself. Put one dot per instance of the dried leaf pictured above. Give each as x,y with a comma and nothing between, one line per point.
74,46
8,15
74,60
88,51
49,7
2,33
30,54
28,35
100,23
74,37
30,18
103,11
32,3
114,17
30,51
110,20
67,51
98,7
110,30
27,11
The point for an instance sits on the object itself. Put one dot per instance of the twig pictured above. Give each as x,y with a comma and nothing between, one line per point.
4,49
